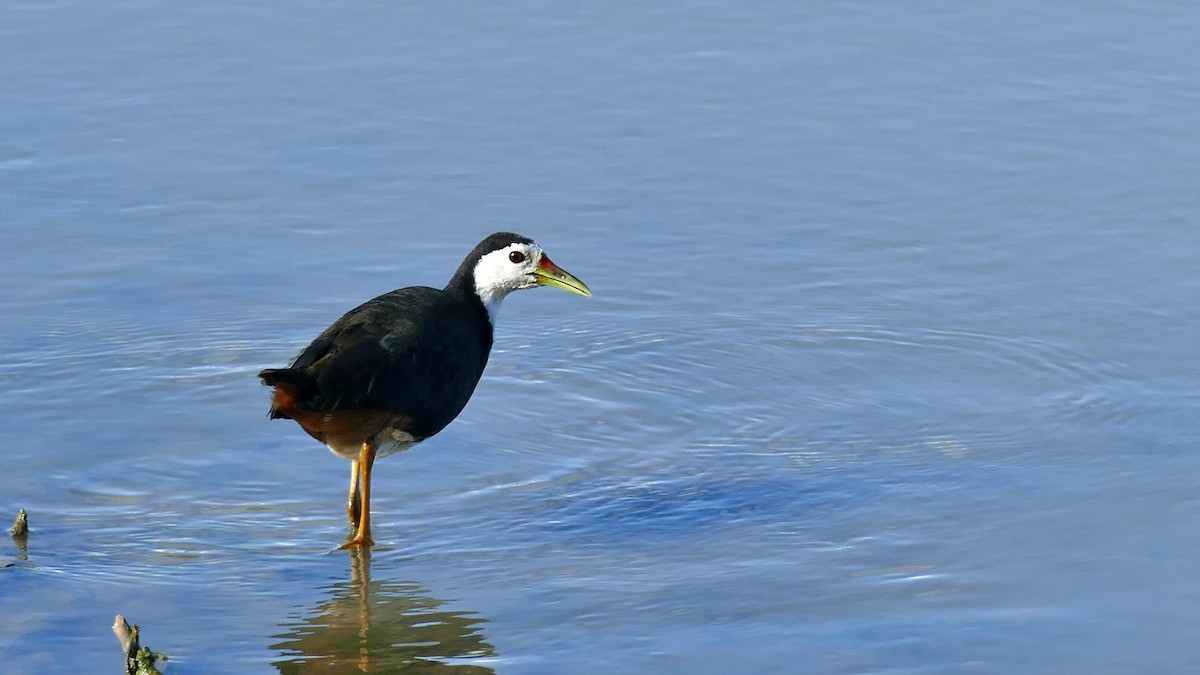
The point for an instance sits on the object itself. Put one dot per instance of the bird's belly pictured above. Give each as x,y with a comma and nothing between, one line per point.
387,442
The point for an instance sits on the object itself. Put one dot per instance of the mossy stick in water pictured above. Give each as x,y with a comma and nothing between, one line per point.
20,528
20,532
139,660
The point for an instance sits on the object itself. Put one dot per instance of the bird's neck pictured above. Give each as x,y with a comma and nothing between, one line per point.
491,297
487,296
489,293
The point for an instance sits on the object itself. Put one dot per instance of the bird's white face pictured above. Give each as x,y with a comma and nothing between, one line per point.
518,266
501,272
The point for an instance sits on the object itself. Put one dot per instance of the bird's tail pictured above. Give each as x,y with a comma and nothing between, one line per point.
291,386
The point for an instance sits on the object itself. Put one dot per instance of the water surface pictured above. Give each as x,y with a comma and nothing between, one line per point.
890,367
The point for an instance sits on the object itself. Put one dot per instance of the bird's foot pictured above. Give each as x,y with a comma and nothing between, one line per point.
357,542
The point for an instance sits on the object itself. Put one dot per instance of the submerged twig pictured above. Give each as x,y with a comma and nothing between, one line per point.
139,660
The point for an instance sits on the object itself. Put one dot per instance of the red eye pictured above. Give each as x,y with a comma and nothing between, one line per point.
516,257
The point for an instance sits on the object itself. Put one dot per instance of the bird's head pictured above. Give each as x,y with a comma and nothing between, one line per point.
507,262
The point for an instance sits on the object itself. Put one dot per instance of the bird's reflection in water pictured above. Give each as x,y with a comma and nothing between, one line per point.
381,627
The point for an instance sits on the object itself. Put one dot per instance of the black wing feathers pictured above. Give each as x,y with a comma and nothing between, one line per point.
418,352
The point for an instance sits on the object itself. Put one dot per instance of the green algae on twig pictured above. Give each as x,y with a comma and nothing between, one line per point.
139,660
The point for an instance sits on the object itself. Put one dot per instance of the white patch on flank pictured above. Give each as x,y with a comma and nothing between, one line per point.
496,275
391,441
387,442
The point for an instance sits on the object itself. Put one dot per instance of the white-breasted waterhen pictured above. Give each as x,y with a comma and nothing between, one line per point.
397,369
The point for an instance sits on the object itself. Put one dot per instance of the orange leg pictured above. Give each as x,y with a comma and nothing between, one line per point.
362,533
353,502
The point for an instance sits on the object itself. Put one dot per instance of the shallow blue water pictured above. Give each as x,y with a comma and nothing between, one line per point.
891,364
